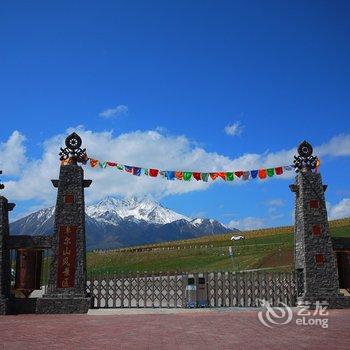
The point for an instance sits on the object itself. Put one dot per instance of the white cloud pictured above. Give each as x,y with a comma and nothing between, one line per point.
274,213
199,214
139,148
337,146
248,223
277,202
234,129
112,113
274,206
340,210
13,154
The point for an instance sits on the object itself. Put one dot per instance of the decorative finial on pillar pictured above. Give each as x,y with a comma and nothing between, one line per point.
305,161
73,154
2,186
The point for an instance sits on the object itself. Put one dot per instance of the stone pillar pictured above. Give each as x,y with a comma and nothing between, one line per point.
315,261
67,281
5,259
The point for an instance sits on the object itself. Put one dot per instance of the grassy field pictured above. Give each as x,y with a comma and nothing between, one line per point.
265,248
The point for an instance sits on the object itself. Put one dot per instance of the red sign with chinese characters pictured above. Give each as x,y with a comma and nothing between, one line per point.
67,249
316,230
314,204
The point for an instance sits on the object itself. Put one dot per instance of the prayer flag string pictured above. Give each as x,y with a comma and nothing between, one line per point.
261,173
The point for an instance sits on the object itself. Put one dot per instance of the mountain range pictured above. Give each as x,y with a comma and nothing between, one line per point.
113,223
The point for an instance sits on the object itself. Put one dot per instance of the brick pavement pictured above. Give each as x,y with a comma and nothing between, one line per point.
188,330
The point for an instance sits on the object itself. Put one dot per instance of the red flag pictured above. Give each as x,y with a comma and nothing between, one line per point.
153,172
111,164
279,170
222,175
196,176
262,174
214,175
238,173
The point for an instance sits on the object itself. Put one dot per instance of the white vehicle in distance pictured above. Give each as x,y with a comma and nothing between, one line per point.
236,238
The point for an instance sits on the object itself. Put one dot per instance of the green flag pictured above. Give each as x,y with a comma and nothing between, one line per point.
270,172
187,175
229,176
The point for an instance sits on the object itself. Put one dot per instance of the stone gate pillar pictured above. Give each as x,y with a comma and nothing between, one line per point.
315,261
67,281
5,259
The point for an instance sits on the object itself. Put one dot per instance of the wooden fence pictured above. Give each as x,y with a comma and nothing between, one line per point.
223,289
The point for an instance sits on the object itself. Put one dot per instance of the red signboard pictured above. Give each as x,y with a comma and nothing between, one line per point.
67,249
69,199
319,259
316,230
314,204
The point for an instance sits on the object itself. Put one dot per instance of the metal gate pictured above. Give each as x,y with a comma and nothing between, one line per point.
224,289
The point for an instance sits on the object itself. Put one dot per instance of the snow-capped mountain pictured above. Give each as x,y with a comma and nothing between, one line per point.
116,223
113,211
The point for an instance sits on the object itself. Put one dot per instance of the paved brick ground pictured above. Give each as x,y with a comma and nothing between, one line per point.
189,330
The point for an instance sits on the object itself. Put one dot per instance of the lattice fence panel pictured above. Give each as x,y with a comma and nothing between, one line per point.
223,289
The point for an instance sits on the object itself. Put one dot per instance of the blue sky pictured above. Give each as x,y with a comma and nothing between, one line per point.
178,72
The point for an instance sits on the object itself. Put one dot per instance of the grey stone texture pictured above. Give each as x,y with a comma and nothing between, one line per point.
5,262
319,281
69,305
75,299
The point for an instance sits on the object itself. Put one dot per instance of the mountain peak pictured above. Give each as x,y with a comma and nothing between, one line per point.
134,201
134,208
115,222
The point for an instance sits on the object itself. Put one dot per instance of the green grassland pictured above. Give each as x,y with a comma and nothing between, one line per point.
265,248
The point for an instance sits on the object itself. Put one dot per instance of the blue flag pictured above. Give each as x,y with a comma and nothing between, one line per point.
170,175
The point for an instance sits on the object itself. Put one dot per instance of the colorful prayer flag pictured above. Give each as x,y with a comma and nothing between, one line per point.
187,175
262,174
111,164
318,163
270,172
136,171
205,177
229,176
93,162
245,175
179,175
196,176
153,172
222,175
170,175
279,170
254,173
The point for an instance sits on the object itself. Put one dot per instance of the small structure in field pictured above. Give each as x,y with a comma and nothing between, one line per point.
237,238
